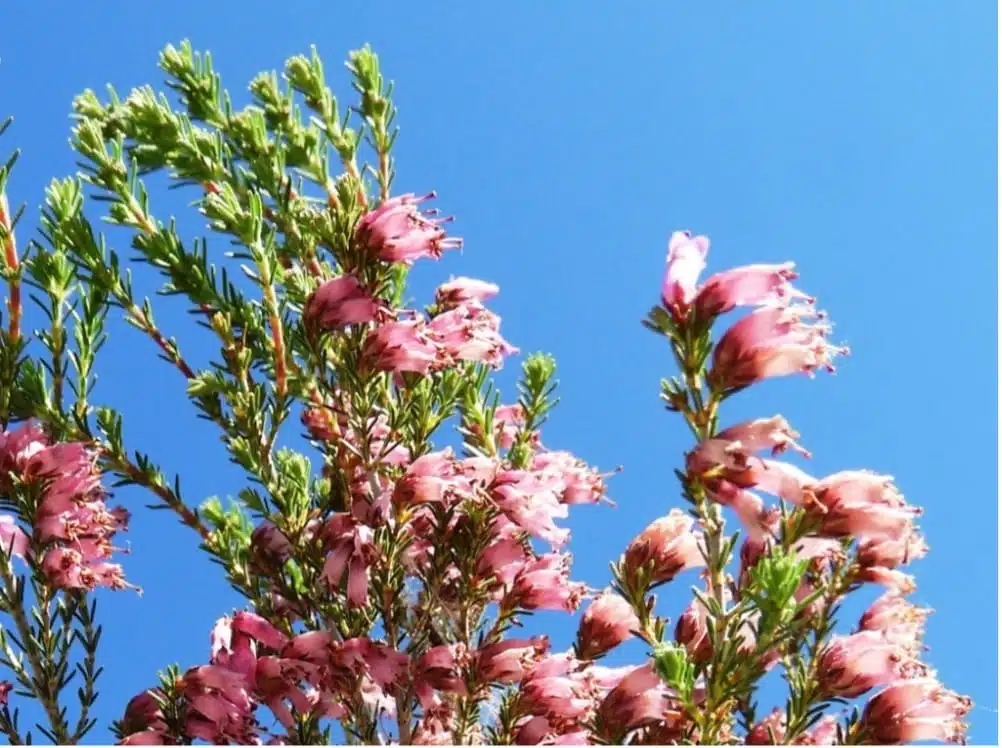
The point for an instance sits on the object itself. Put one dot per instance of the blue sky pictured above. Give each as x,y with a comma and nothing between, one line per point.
856,138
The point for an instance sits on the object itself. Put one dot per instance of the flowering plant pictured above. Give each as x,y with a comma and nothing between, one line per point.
385,585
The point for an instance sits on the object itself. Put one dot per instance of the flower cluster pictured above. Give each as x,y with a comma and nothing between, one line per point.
58,489
387,566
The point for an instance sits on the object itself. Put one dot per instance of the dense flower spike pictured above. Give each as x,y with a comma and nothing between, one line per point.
71,521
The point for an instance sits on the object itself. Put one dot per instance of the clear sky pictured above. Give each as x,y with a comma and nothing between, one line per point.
856,138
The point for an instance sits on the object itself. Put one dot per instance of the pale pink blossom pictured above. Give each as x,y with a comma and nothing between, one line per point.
400,346
665,548
397,231
339,302
608,621
509,660
863,505
470,332
824,732
459,291
577,482
543,584
770,342
351,551
13,540
897,619
439,669
686,260
641,698
757,520
734,447
770,730
852,665
910,710
531,502
751,285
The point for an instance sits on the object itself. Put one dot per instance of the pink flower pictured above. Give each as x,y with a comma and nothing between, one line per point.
639,699
459,291
233,650
911,710
339,302
543,584
770,730
438,669
864,505
530,502
145,737
5,689
18,446
502,560
397,231
143,712
431,479
269,544
13,540
756,519
666,547
878,558
752,285
686,260
351,551
770,342
852,665
824,732
509,661
733,448
607,623
557,691
576,481
470,332
260,630
897,619
691,631
402,346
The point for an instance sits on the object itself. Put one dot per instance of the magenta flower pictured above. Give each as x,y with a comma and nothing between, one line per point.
576,481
